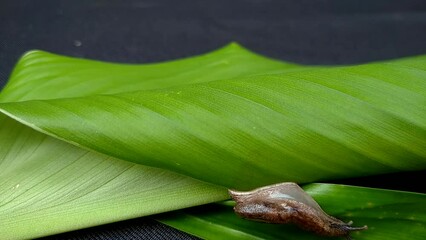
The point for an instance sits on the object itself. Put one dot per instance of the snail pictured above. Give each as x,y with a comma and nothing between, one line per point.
288,203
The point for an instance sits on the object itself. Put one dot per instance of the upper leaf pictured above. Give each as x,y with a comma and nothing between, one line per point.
43,75
255,130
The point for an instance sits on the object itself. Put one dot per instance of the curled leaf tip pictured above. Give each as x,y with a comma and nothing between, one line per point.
288,203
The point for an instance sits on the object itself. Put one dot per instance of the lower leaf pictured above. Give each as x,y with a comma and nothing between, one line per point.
48,186
388,215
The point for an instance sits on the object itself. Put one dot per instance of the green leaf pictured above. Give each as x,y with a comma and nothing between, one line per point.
230,117
43,75
48,186
277,127
388,214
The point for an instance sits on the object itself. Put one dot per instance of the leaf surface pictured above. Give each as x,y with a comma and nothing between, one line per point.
277,127
48,186
231,117
43,75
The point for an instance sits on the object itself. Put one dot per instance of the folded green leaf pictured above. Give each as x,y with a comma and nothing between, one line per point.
42,75
48,186
251,128
279,127
388,214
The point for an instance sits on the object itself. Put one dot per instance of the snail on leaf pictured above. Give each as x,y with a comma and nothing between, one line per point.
288,203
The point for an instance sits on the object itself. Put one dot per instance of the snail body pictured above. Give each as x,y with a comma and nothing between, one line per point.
287,203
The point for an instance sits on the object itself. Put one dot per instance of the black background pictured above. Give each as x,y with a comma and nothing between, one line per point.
302,31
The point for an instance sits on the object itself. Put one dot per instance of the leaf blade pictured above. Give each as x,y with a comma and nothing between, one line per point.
55,73
48,186
296,118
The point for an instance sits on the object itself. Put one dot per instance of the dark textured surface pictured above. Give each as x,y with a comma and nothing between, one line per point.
132,229
136,31
304,31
